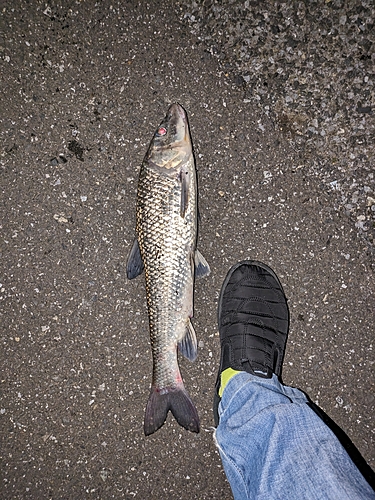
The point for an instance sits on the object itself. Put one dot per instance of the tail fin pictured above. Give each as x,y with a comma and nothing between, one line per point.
175,399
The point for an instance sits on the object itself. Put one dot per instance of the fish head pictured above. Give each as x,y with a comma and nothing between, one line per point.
171,144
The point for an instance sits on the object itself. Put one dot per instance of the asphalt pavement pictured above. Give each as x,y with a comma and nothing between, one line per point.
84,85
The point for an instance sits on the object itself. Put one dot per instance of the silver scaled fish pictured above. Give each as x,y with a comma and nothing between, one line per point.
165,247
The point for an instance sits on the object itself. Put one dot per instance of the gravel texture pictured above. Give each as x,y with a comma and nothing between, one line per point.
310,67
84,84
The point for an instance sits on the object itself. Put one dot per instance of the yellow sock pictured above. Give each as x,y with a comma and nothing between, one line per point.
226,375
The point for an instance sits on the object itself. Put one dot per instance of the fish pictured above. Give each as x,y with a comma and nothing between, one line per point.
165,247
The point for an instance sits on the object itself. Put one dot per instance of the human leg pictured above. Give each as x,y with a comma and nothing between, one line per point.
273,445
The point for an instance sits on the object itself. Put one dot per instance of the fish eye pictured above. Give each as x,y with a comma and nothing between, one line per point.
162,131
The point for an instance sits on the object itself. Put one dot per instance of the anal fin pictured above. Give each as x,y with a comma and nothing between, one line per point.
188,345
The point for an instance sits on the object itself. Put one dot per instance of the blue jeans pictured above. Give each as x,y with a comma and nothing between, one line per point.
274,446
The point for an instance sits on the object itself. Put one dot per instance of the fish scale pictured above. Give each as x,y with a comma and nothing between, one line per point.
163,238
165,247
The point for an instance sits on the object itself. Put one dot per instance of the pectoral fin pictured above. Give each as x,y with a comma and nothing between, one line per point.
134,266
185,185
188,345
201,266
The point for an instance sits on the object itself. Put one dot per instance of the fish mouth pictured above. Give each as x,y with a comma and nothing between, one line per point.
178,119
176,109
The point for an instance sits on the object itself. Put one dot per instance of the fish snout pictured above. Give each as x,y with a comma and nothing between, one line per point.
177,111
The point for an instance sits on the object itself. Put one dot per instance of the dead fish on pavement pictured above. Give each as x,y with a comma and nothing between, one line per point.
165,247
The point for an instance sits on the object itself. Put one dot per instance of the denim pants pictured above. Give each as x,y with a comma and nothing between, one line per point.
274,446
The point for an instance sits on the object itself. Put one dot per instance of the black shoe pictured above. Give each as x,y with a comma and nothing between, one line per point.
253,319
